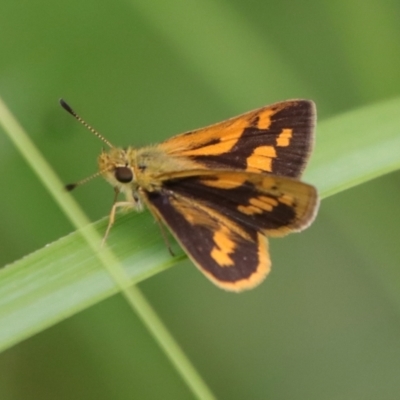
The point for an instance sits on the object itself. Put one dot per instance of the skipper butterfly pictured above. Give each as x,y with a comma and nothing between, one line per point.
221,190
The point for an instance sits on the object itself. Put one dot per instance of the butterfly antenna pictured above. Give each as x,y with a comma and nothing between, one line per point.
66,107
72,186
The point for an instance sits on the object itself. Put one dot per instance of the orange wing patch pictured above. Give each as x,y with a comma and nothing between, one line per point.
284,138
261,159
257,205
212,140
223,248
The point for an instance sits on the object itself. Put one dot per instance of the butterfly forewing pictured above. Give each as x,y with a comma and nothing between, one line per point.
276,139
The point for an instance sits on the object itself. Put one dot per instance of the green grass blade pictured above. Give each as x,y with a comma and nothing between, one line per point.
64,278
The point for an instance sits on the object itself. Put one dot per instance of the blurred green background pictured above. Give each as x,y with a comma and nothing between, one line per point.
326,323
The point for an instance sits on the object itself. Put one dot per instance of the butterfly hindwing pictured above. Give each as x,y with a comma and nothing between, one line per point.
276,139
273,205
233,257
221,217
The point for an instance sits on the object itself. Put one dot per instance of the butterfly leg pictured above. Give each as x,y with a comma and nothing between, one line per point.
111,220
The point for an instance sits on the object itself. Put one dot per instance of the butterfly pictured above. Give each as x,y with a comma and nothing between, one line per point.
223,189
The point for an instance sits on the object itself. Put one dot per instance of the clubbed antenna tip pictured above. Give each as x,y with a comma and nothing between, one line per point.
70,186
66,107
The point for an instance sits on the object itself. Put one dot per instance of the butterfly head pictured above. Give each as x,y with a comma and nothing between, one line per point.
117,167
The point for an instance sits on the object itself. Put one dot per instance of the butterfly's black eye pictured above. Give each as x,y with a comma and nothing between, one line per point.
123,174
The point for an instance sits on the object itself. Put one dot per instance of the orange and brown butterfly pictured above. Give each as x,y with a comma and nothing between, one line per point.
222,189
